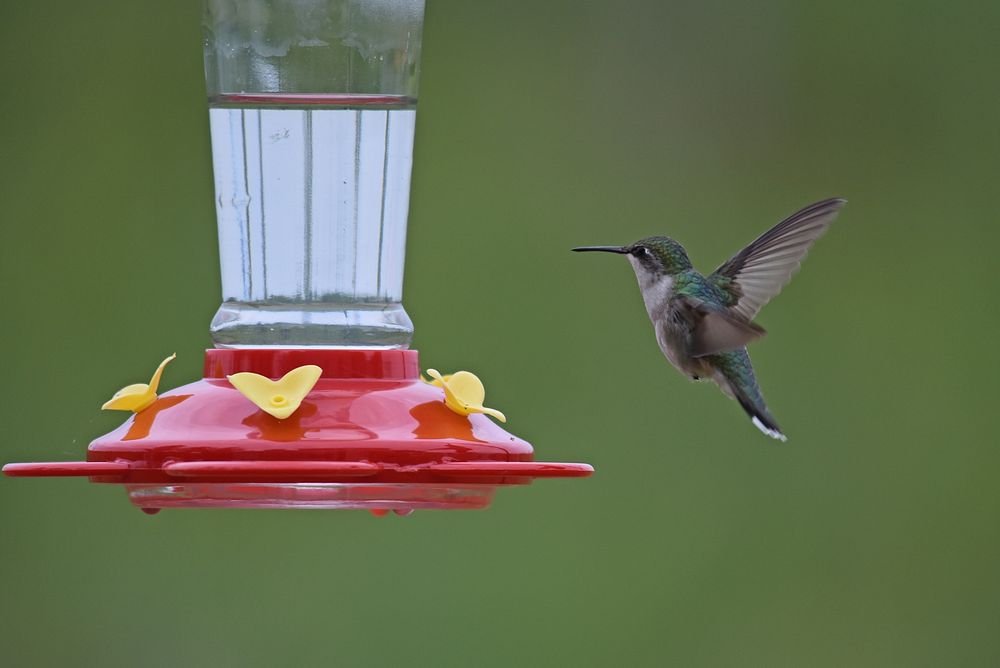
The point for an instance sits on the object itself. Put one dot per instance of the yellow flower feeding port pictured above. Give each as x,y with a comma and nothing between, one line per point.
464,393
138,396
279,398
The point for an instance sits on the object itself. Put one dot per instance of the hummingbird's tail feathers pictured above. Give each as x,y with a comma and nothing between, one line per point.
735,377
753,403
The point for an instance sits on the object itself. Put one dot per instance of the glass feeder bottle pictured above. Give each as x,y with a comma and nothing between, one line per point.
312,110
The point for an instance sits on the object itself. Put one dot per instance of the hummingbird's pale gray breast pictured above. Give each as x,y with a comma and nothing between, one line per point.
672,336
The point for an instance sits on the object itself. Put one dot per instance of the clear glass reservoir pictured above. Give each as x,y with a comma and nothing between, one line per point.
312,109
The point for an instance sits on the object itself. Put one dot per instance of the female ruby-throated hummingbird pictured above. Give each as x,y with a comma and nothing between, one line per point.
703,323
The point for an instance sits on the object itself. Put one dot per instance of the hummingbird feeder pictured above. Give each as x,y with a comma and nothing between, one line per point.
311,397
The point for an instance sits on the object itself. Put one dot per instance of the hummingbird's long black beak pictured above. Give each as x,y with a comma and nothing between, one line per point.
605,249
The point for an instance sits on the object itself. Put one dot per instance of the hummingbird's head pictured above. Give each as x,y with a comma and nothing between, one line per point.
652,256
661,255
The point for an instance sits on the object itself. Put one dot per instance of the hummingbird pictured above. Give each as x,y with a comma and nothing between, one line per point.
704,323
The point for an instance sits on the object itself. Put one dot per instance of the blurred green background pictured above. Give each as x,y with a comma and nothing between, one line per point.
870,539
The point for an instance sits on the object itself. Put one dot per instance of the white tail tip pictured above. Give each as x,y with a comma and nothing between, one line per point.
773,433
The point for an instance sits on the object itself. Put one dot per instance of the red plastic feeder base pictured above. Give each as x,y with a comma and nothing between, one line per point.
369,435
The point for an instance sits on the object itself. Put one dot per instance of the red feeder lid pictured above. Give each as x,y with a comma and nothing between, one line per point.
370,434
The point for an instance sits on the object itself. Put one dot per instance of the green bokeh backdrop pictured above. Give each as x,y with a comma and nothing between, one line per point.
870,539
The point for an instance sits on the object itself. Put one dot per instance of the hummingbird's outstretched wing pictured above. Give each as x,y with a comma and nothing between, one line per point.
758,272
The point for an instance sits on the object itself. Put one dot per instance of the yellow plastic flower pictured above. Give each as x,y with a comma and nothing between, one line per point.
464,393
282,397
138,396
